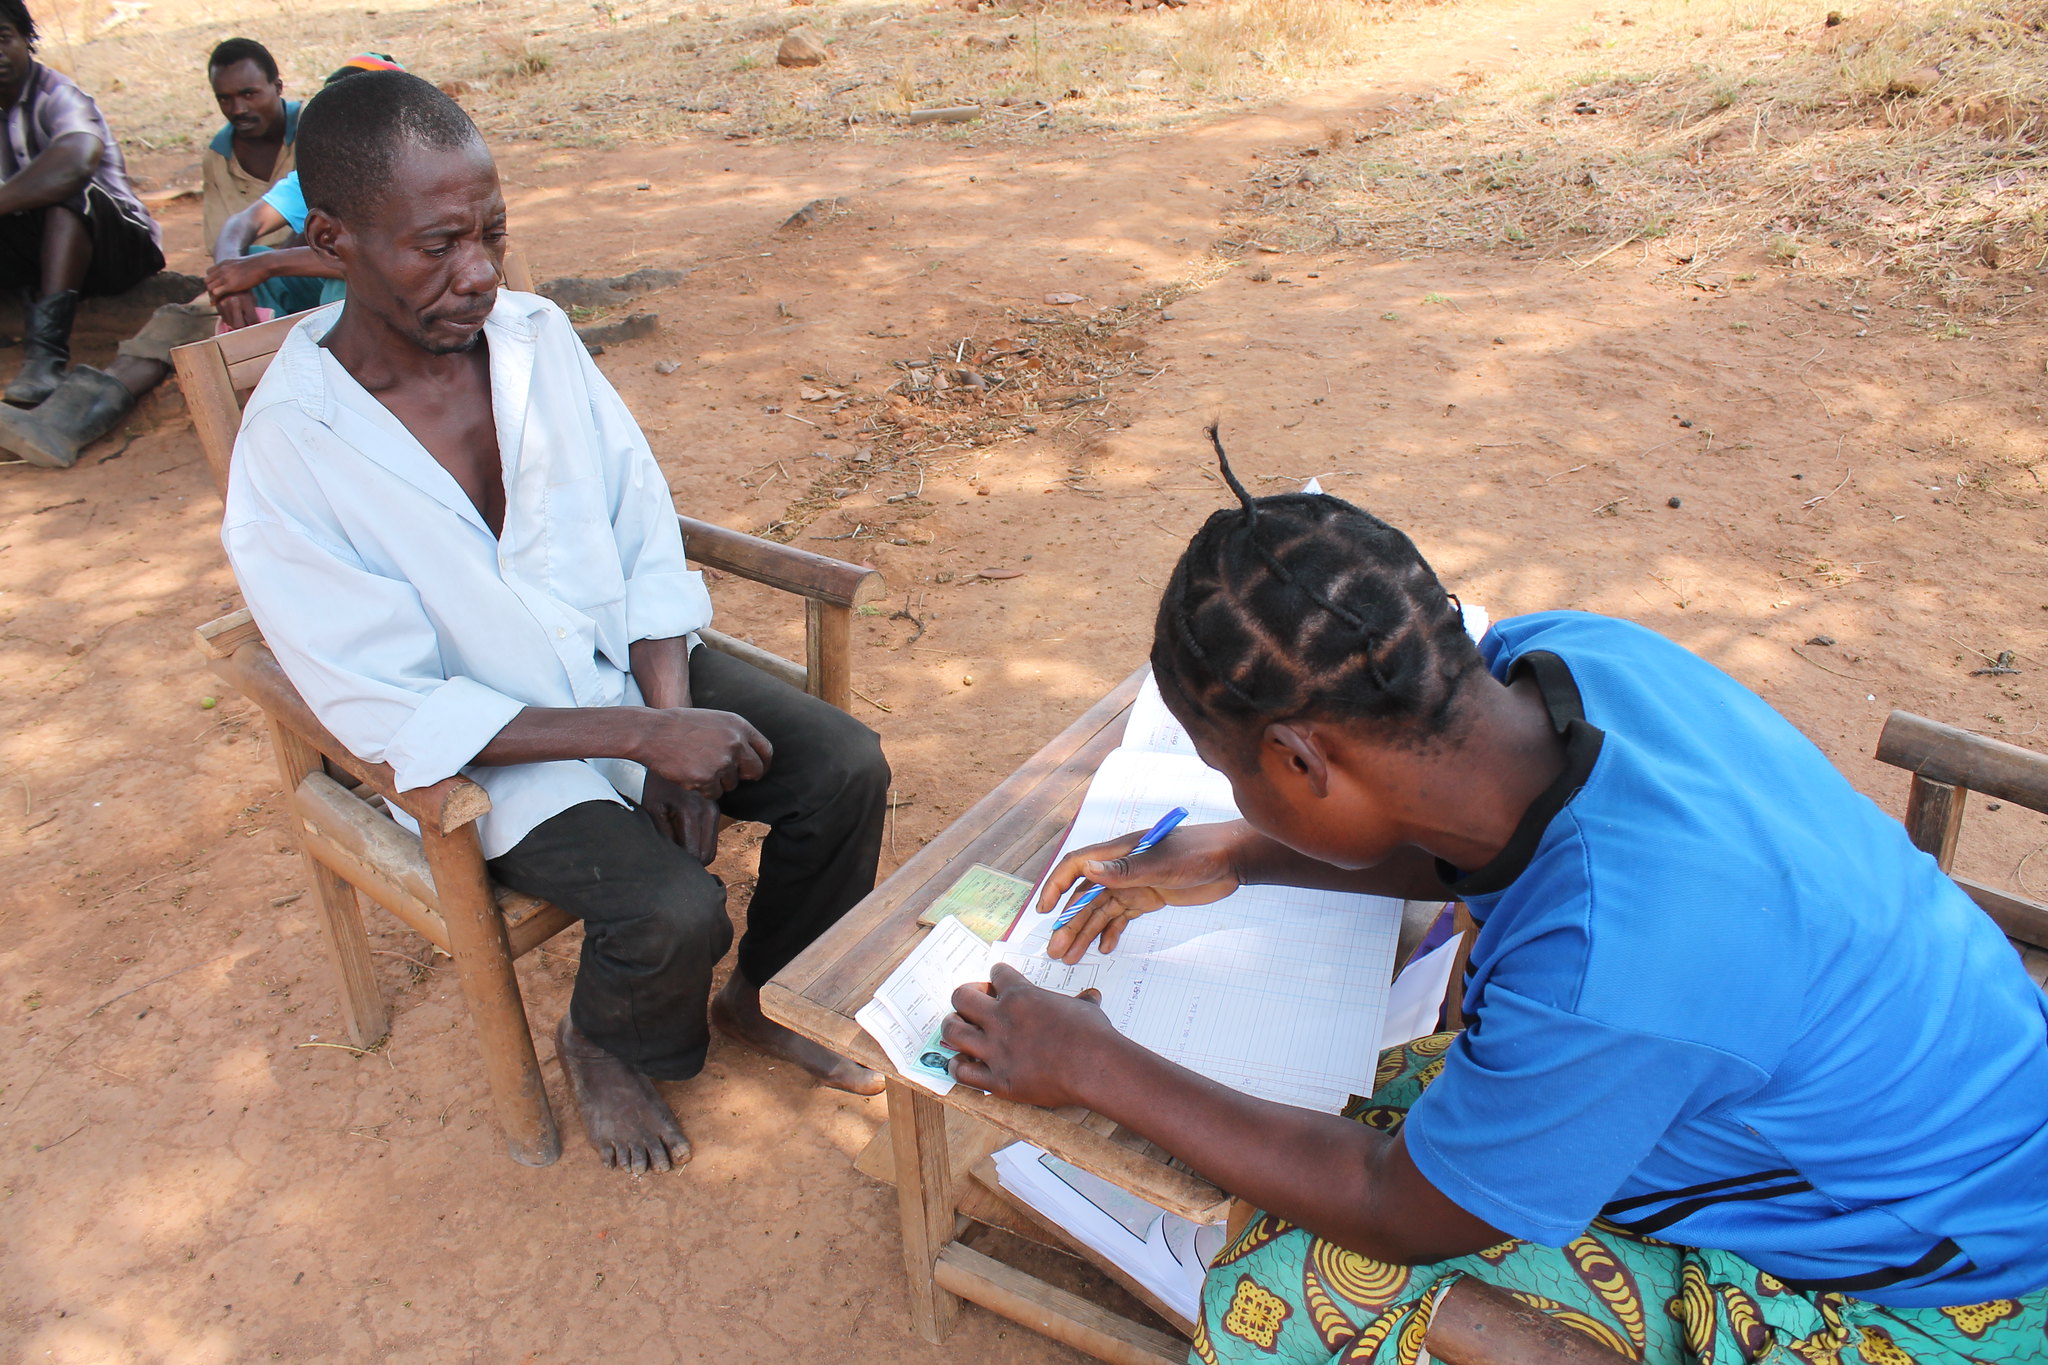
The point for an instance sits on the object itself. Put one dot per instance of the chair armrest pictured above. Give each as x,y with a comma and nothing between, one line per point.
1942,753
253,670
815,576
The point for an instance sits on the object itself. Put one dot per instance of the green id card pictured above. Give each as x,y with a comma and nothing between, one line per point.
985,900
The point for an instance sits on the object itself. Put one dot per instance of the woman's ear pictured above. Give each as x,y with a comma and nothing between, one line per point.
1294,755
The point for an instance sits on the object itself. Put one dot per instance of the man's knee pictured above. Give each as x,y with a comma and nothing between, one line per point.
686,918
850,766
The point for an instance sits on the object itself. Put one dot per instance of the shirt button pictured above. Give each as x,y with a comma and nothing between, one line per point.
561,633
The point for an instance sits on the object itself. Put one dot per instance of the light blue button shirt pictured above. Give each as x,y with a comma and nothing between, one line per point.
413,633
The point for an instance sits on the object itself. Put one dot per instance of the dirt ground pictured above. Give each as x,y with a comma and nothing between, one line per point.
189,1171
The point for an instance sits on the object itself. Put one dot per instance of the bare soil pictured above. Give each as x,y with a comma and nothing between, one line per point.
189,1171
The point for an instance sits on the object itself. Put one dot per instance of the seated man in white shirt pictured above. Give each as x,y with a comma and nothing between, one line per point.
458,543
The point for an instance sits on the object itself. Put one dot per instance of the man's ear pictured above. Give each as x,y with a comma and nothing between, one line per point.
1297,752
329,236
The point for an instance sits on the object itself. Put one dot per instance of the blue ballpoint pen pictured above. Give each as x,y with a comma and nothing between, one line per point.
1167,824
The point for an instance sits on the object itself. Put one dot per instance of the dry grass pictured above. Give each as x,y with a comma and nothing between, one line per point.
1905,142
582,73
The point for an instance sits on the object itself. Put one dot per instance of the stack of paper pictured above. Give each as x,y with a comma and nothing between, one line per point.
1277,991
1162,1251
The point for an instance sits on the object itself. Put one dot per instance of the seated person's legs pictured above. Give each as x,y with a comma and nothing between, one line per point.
654,926
824,799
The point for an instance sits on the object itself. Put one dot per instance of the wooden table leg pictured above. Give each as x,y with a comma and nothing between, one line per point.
924,1199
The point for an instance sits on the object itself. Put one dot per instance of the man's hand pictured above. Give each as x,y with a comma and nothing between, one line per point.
1194,865
707,752
238,311
680,814
1023,1042
236,275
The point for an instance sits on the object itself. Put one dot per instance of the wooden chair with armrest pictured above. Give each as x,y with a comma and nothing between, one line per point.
436,881
1947,765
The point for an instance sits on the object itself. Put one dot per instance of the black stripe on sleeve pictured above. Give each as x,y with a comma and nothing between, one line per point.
1637,1201
1677,1212
1942,1253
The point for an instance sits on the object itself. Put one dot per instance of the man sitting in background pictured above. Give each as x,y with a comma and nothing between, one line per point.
454,536
283,276
70,225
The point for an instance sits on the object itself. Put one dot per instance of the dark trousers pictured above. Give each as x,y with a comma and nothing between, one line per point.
654,920
123,252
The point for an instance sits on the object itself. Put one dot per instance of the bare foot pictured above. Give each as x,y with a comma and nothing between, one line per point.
737,1012
628,1121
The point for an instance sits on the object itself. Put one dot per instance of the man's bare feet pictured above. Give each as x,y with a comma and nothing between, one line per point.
737,1011
628,1121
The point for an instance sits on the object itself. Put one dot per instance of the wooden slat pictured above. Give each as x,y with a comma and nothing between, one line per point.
1053,1312
986,1178
1934,817
2020,918
483,962
210,397
389,865
223,635
253,671
779,566
828,652
365,1012
883,925
1943,753
774,665
964,1139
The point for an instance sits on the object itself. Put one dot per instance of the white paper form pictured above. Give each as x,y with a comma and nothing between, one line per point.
907,1009
1151,727
1276,991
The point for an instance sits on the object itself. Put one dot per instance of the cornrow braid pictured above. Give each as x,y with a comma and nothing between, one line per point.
1303,605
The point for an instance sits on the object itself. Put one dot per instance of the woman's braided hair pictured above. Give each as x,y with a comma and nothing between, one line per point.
1302,605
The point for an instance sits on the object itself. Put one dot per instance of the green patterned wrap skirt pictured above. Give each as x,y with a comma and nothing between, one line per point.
1279,1294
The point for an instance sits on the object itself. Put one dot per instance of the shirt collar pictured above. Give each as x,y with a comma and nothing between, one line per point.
315,381
1560,694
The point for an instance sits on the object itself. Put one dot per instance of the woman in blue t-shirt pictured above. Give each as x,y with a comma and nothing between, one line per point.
1745,1077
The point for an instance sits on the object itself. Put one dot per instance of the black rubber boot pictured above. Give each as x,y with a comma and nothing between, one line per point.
87,405
45,346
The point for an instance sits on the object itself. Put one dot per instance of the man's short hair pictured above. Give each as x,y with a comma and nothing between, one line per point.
15,15
350,135
243,50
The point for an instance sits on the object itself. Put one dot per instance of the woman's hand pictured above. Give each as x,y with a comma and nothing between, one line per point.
1194,865
1024,1042
688,818
707,752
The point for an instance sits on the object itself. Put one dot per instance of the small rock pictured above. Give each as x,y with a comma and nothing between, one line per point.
1822,640
1673,502
1991,253
1915,82
800,49
644,185
1064,298
1000,573
667,366
1500,341
967,681
981,492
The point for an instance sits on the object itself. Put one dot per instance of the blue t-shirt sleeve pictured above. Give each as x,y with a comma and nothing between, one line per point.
1541,1114
289,200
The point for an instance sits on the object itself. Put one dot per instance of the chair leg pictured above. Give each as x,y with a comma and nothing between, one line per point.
483,962
364,1012
924,1200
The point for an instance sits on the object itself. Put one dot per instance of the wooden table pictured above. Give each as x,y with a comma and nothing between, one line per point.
940,1187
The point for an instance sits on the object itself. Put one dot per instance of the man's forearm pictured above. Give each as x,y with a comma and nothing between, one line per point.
662,670
300,261
63,169
546,734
